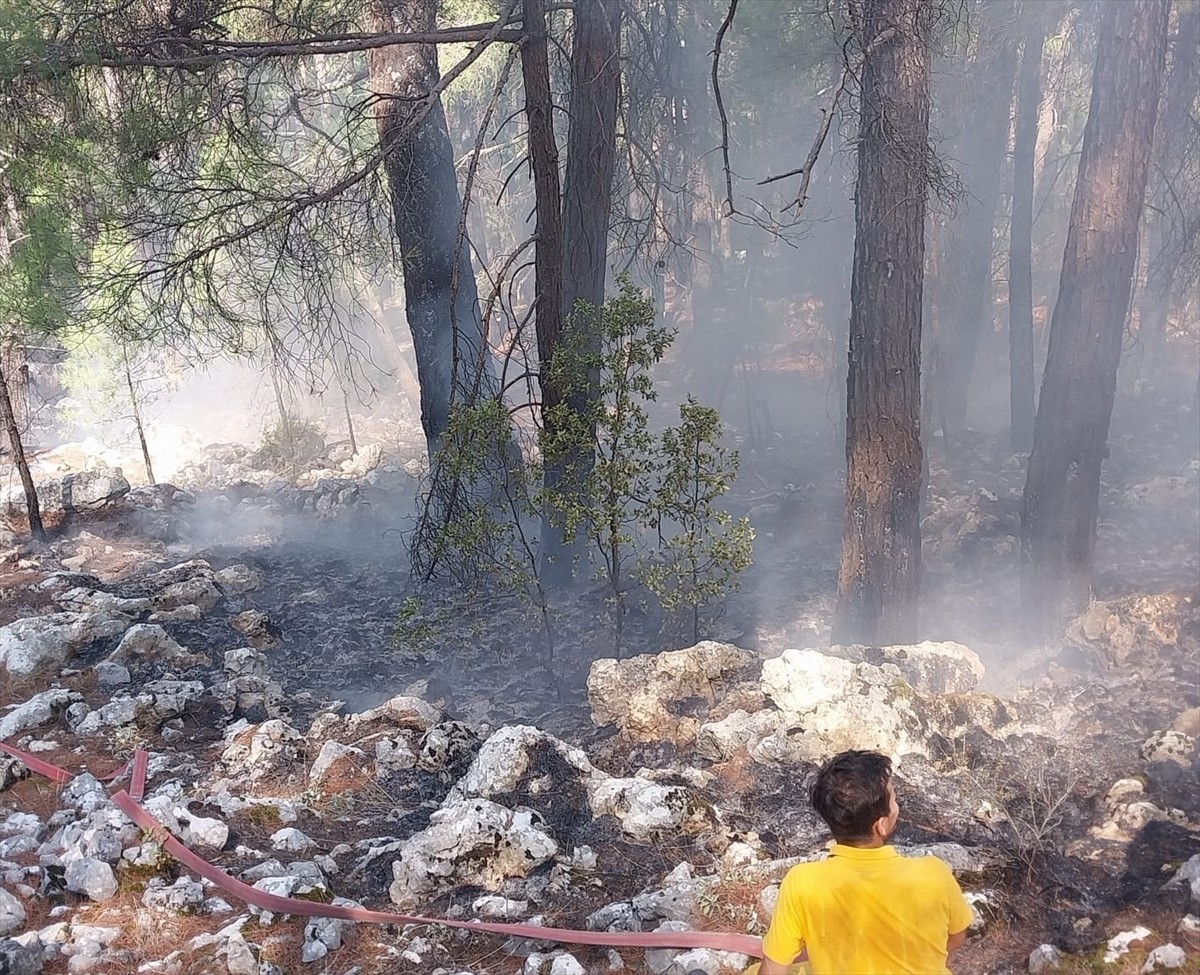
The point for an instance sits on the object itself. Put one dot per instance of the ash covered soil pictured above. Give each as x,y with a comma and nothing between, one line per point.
315,734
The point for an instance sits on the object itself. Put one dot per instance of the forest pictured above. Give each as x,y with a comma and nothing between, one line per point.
609,394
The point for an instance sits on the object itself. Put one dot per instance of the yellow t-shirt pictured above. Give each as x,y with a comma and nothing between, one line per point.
868,912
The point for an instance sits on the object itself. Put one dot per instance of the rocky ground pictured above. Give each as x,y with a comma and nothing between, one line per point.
245,632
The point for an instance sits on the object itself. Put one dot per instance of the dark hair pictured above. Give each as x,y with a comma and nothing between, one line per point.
851,793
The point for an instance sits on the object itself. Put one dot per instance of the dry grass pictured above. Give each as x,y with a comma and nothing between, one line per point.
732,904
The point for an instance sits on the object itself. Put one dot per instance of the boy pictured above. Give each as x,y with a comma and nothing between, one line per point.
865,910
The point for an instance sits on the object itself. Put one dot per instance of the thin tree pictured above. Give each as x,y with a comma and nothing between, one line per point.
9,421
880,573
548,264
9,223
1173,207
1020,239
984,115
1062,489
136,407
572,234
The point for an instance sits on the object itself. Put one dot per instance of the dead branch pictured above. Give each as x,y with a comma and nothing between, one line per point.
716,85
292,208
206,52
814,153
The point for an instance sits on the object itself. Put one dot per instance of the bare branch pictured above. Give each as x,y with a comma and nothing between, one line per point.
157,50
716,86
828,115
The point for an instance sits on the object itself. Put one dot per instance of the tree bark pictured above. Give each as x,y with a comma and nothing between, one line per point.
447,330
591,152
137,421
879,581
555,553
967,265
9,421
1062,489
1022,384
582,256
1169,221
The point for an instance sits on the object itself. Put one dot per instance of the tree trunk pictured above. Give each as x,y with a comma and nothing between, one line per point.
556,554
1022,383
137,421
1062,490
591,152
879,581
1167,244
9,421
967,268
447,330
586,205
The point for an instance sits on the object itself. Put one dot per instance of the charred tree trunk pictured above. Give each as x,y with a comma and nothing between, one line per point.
591,152
1062,489
9,420
548,263
447,330
586,205
880,574
1021,379
967,268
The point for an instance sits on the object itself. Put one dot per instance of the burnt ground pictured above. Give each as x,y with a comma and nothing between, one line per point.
336,591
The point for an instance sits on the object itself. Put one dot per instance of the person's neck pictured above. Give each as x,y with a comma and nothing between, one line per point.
873,843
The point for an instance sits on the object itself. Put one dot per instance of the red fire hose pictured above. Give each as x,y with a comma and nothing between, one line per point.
127,802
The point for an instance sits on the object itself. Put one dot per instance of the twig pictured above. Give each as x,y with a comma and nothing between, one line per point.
814,153
292,208
716,85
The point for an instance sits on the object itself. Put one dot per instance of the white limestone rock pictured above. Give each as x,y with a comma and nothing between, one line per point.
110,674
842,705
394,754
91,877
505,758
43,644
1188,876
272,749
1044,957
1169,746
200,830
38,710
644,809
930,666
1118,945
12,914
475,842
19,959
1164,958
709,961
237,579
245,662
291,840
766,735
185,896
148,642
566,964
404,711
334,753
638,694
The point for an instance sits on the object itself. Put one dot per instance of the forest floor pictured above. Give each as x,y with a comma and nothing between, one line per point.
340,629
